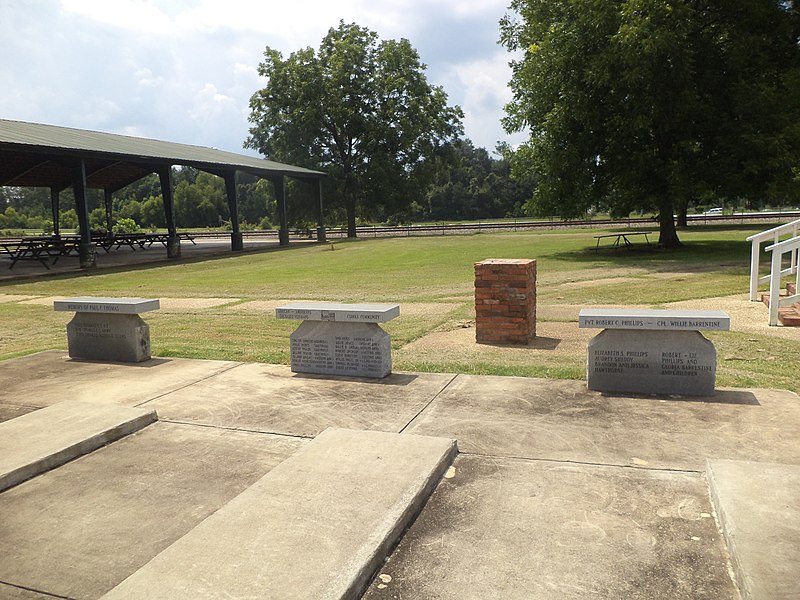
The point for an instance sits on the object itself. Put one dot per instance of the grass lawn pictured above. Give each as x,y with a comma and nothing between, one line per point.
432,279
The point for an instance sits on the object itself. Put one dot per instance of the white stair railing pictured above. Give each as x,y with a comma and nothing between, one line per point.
770,235
775,301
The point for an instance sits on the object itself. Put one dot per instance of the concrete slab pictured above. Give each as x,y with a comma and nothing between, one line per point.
50,377
12,411
562,420
9,592
79,530
522,530
758,505
47,438
271,398
316,526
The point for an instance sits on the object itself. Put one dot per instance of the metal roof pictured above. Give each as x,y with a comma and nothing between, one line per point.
33,154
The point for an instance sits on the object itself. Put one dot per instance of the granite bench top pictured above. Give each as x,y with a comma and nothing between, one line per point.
338,312
122,306
637,318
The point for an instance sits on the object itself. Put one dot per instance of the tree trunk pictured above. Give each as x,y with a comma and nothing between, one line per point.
667,234
683,208
350,207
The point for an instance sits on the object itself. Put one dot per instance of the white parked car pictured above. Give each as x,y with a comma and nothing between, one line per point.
714,211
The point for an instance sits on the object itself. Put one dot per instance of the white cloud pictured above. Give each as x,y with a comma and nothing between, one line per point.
184,70
135,15
209,104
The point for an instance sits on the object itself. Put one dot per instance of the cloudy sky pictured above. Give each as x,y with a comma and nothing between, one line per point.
184,70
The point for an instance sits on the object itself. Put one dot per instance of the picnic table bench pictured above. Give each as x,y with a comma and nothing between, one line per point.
621,239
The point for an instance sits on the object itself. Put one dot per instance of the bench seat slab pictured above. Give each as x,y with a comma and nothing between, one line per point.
127,306
640,318
332,311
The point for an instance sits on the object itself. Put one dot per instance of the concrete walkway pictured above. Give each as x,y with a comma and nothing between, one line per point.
556,492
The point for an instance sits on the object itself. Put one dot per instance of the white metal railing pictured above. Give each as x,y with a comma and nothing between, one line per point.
770,235
775,301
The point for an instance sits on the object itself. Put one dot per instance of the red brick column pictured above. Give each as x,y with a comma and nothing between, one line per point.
505,301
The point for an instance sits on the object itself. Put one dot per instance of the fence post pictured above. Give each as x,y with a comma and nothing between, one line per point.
775,287
754,264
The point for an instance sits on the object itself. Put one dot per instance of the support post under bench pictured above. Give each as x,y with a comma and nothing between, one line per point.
340,339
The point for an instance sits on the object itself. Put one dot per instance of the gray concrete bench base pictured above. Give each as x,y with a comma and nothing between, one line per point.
103,336
349,349
652,362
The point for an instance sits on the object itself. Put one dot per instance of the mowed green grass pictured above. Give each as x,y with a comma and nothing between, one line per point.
433,274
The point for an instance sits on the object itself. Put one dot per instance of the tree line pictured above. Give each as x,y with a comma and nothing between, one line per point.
468,183
648,106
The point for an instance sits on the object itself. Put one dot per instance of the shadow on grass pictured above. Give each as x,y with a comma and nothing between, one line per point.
155,263
699,255
539,343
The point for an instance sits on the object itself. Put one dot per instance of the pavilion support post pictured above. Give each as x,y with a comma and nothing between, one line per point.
317,189
173,241
280,198
107,200
86,249
237,240
55,205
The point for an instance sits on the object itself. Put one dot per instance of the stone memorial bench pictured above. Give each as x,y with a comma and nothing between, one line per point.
108,328
652,351
340,339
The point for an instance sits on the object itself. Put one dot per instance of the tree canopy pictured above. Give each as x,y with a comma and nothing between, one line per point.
360,109
649,104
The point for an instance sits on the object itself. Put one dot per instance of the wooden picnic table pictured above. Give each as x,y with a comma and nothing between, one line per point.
621,239
44,248
40,249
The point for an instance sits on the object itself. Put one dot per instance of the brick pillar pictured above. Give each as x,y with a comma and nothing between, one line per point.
505,301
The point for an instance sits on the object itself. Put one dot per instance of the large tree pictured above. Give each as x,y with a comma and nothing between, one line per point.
647,104
360,109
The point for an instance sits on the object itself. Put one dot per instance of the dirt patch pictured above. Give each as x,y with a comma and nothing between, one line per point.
552,340
559,334
425,309
43,301
188,304
260,306
565,312
4,298
411,309
594,282
746,316
561,277
169,305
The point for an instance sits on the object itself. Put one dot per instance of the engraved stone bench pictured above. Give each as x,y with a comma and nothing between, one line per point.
340,339
652,351
108,328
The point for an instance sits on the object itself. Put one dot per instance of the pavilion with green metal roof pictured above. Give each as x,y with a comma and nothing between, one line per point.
37,155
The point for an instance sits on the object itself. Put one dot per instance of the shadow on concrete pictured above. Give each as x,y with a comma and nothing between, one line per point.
396,379
735,397
152,362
